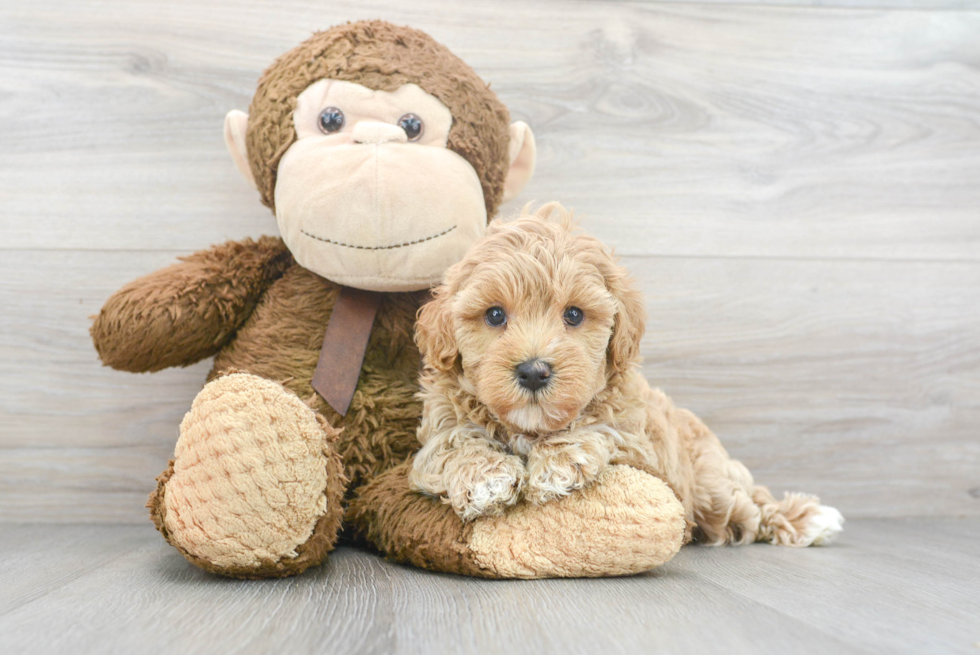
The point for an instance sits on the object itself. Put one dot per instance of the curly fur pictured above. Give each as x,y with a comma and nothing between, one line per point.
188,311
487,442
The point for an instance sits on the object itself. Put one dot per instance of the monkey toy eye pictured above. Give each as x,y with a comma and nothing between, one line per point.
573,316
331,120
496,316
413,126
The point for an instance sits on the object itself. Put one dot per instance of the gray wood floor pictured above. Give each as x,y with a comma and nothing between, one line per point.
889,586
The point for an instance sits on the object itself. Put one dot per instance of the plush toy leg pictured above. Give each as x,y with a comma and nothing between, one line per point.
626,522
255,488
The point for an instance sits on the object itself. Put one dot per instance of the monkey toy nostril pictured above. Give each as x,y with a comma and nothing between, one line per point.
533,374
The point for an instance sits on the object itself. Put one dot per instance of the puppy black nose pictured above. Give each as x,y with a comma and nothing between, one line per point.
533,374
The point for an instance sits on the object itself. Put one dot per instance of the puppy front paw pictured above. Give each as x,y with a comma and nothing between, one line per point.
556,471
484,486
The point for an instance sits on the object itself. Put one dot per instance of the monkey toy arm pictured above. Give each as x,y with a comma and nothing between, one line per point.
183,313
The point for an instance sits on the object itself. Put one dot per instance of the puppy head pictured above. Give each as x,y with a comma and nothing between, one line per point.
534,321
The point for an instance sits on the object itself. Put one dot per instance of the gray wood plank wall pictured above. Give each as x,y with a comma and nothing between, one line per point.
796,187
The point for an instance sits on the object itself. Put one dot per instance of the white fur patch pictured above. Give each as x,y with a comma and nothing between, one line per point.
529,418
496,489
824,527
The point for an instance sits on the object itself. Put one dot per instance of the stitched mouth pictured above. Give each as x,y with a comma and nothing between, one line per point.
391,247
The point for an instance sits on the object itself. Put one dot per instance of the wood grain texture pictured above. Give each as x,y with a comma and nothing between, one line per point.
794,187
966,5
887,586
684,129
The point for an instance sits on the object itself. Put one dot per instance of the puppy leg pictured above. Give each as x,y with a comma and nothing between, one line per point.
558,465
796,520
468,471
730,508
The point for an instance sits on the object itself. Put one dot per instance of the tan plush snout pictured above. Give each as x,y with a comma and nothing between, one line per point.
390,216
374,132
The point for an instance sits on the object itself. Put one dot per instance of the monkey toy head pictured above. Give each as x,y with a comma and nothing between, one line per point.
382,154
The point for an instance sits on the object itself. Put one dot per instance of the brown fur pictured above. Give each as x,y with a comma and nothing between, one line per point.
281,341
382,57
487,442
426,534
188,311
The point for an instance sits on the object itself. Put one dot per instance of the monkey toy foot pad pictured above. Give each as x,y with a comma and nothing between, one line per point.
255,488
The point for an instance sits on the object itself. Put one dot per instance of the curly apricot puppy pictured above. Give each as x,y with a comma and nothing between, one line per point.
532,386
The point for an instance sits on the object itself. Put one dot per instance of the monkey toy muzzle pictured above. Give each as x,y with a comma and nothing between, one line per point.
382,216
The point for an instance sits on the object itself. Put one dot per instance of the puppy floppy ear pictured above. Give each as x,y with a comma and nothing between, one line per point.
435,333
630,320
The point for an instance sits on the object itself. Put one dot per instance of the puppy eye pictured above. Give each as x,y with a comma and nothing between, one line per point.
413,126
496,316
330,120
573,316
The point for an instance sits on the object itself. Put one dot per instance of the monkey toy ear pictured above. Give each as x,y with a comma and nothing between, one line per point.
522,156
236,124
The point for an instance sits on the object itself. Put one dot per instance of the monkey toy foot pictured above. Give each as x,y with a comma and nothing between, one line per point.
255,487
626,522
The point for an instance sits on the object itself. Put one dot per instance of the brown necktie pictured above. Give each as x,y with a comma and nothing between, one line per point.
344,346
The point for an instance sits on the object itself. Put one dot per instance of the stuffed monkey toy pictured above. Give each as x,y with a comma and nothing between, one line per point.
382,156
